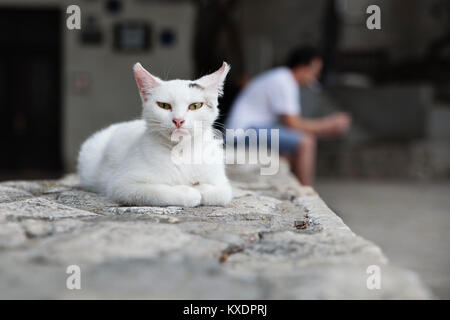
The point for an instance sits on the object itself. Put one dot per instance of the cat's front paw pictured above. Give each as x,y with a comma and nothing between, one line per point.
215,195
187,196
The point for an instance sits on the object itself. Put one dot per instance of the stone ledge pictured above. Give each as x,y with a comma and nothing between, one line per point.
276,240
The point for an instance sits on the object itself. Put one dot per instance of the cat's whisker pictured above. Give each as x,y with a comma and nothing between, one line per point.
169,68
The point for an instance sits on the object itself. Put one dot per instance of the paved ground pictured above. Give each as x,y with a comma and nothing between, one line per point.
409,221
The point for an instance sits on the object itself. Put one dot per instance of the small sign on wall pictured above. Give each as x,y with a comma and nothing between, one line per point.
132,36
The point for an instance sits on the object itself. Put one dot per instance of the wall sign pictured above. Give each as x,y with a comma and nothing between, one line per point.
132,36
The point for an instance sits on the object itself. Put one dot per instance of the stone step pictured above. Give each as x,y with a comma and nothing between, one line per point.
276,240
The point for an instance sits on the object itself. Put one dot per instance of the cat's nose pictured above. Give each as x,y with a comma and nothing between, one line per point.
178,122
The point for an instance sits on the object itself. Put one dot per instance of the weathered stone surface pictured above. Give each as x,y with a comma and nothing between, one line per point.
8,194
11,235
275,240
39,208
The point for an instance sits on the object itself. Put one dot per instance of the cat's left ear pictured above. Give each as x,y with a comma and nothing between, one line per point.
145,81
215,80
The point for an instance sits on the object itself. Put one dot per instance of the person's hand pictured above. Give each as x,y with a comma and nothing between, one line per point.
336,124
343,121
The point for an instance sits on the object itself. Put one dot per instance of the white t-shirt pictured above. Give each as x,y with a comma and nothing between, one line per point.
264,99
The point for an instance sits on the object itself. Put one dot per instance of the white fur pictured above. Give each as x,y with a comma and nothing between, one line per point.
131,162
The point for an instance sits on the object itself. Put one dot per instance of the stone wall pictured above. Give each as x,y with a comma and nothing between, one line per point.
276,240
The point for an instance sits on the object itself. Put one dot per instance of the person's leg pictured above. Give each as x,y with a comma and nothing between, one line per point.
305,161
289,158
300,149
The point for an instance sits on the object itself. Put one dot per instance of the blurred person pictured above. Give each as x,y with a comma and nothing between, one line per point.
272,101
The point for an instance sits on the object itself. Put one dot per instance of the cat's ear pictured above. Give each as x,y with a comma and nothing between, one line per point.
145,81
215,80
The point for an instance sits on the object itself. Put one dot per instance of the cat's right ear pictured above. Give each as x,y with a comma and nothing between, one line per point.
145,81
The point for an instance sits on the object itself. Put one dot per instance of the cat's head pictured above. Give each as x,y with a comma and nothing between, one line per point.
176,105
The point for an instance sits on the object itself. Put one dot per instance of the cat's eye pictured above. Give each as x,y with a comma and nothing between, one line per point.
165,106
195,105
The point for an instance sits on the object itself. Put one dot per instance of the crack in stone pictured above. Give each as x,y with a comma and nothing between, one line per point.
230,250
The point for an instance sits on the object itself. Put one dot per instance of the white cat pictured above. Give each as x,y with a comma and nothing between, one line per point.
132,163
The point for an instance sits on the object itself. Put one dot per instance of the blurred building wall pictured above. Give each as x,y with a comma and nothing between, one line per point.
271,28
113,96
407,26
110,94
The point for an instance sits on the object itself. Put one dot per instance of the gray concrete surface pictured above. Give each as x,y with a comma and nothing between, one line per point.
249,249
408,220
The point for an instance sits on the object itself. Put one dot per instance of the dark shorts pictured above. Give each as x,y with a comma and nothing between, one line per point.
289,140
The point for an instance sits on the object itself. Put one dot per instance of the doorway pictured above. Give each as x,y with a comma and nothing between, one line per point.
30,93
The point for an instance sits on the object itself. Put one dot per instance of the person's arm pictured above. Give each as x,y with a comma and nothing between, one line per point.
284,96
332,125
